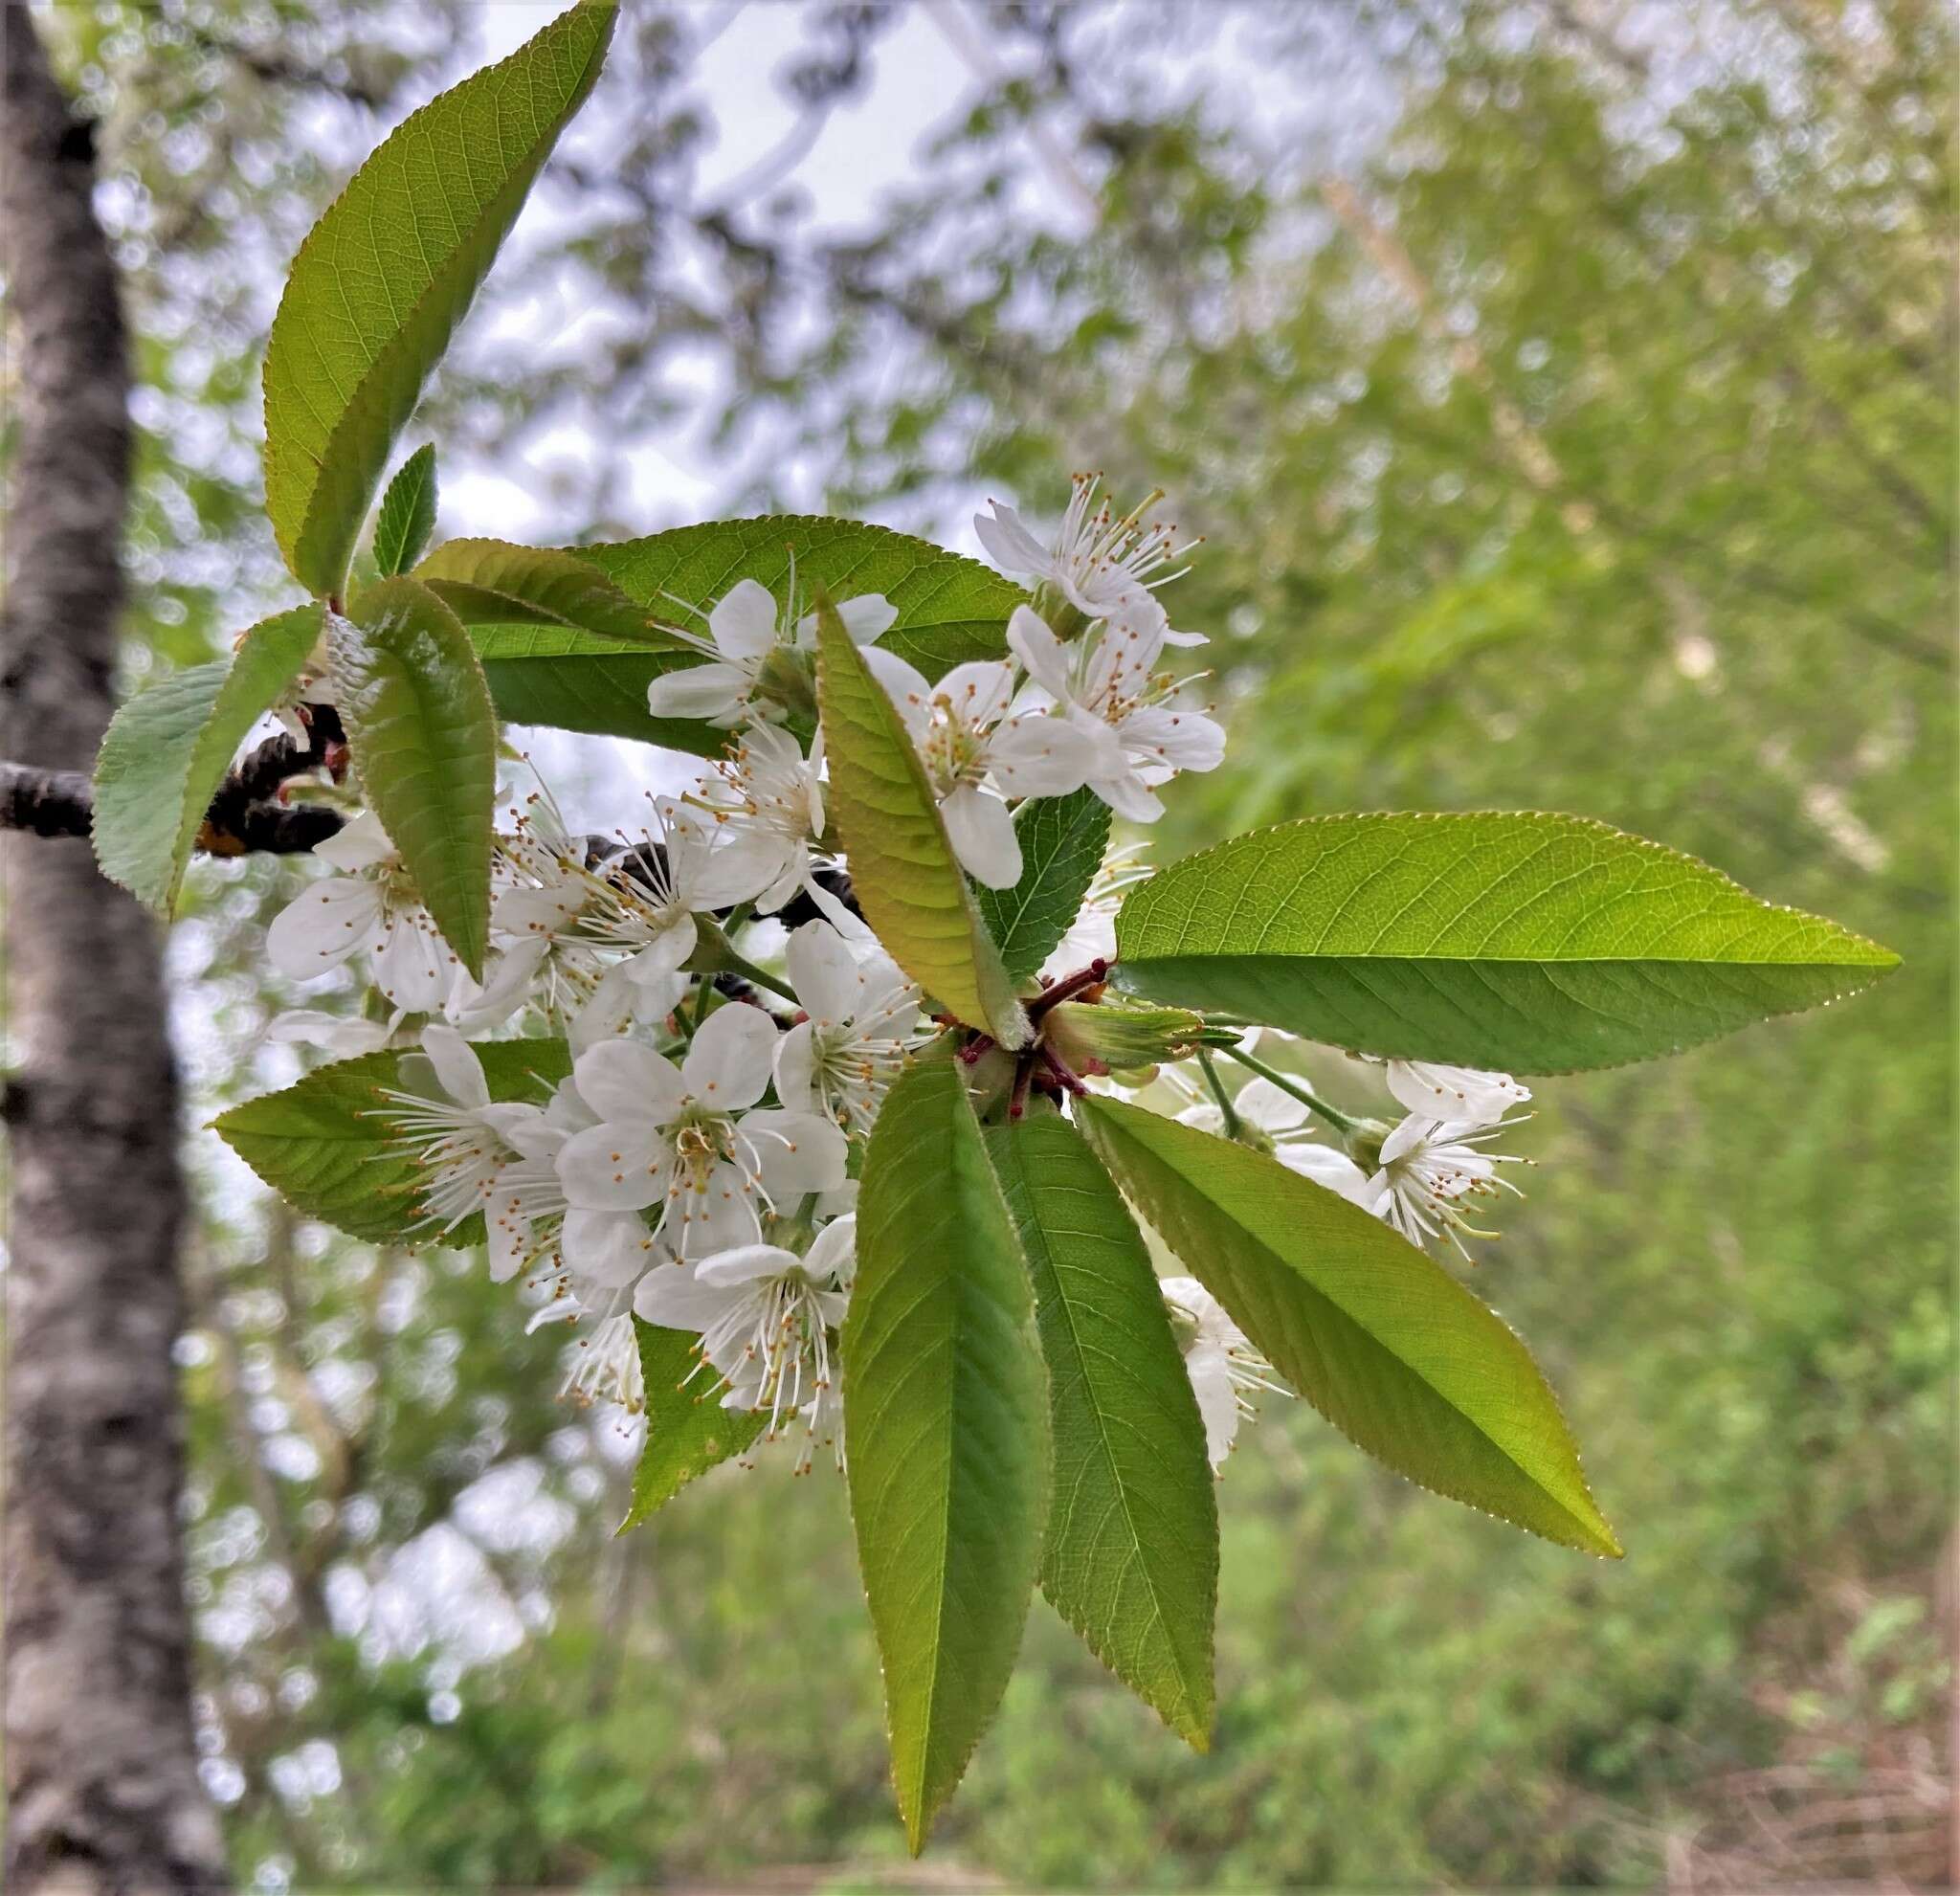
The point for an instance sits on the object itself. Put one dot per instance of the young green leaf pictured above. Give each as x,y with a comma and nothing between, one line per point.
1064,839
578,682
388,273
1131,1561
688,1430
1530,943
1378,1337
903,870
492,582
408,513
167,752
949,608
321,1146
946,1424
424,740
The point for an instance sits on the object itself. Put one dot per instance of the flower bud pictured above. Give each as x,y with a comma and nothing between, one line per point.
1109,1034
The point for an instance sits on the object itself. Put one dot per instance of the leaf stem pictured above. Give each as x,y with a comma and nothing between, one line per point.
1340,1121
1219,1093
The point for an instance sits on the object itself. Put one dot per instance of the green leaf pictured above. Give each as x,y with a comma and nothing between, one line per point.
1528,943
903,870
492,582
1378,1337
386,274
1064,839
321,1147
945,1426
408,513
578,681
949,608
167,749
1133,1556
423,736
688,1430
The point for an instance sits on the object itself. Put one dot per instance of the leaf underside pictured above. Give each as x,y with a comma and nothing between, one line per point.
321,1147
386,274
945,1422
1131,1560
1535,944
903,870
688,1430
423,734
1378,1337
167,749
494,582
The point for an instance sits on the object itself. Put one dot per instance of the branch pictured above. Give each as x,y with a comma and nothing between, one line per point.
245,817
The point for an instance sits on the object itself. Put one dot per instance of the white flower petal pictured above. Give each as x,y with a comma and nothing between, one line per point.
1269,1107
670,1296
1009,544
1037,648
1038,755
982,834
743,622
795,1152
606,1249
710,691
458,1068
623,1167
904,685
824,973
728,1067
359,843
622,1081
1326,1166
327,924
745,1265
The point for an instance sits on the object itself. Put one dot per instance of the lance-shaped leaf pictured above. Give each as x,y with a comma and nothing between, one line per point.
1131,1560
1528,943
492,582
950,609
945,1425
167,749
688,1430
408,513
423,736
1378,1337
323,1143
386,274
1063,842
903,870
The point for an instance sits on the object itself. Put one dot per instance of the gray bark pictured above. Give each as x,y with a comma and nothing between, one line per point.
102,1770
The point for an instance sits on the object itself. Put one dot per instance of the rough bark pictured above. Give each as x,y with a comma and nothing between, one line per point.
101,1773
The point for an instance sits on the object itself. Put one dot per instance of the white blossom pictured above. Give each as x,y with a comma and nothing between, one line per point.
1463,1094
1430,1170
861,1015
977,754
468,1148
1108,680
684,1140
1103,566
745,631
1219,1358
766,804
766,1315
370,909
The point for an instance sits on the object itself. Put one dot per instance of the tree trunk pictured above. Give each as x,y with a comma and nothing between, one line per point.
101,1766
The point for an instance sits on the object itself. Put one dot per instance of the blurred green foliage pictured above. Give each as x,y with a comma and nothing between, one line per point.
1588,445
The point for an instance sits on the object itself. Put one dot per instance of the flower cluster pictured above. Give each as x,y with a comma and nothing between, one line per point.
695,1167
1425,1175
